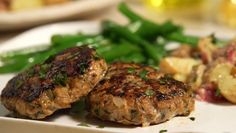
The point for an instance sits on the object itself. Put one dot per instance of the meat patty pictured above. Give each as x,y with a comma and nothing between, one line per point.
61,80
136,95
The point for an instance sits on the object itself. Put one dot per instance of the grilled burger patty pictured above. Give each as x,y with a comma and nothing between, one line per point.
59,81
135,95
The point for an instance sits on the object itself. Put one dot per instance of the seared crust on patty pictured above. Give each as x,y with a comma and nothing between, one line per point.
136,95
59,81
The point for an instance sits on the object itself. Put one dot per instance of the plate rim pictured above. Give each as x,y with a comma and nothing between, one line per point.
24,19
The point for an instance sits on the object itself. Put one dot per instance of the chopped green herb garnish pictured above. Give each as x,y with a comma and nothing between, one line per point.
83,124
60,79
82,68
162,81
73,55
30,72
43,70
217,93
100,126
131,70
163,131
143,74
192,118
149,92
42,75
18,83
45,66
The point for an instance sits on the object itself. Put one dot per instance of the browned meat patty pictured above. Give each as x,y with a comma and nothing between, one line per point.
135,95
61,80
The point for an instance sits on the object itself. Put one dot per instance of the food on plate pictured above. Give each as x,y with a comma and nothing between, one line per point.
213,78
135,42
143,41
223,75
132,94
55,84
179,67
19,5
126,93
206,64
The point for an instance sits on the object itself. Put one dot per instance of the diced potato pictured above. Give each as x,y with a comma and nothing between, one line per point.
221,74
180,77
175,65
196,76
18,5
206,49
227,87
220,71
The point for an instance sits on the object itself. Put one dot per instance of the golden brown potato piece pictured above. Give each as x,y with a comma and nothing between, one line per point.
221,74
179,67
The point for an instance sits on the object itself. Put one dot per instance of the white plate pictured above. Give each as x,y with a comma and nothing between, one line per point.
209,117
70,10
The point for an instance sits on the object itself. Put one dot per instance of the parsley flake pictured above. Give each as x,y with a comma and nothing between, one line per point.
18,84
43,70
100,126
149,92
73,55
42,75
143,74
192,118
217,93
131,70
30,72
163,131
82,67
60,79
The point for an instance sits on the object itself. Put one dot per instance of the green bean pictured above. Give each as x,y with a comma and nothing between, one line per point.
11,68
59,42
150,30
74,39
150,50
187,39
114,51
18,57
145,28
133,57
21,60
23,51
